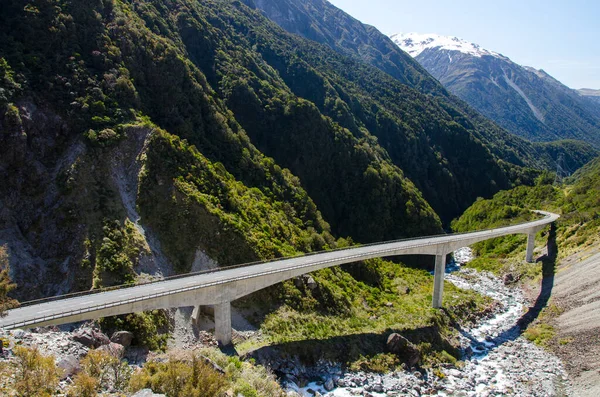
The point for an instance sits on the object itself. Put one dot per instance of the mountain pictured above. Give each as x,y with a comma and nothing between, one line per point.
592,95
525,101
320,21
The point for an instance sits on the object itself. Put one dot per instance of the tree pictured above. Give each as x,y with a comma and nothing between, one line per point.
6,284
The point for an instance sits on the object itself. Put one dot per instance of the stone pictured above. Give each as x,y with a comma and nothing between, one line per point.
328,385
18,333
508,278
298,282
90,338
147,393
403,348
69,365
114,349
310,282
377,388
123,338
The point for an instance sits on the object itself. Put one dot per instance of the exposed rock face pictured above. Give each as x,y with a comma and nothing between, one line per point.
402,347
123,338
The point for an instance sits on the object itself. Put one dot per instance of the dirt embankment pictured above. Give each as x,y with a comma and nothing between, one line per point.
577,292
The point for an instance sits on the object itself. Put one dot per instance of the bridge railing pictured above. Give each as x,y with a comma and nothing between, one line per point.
69,313
225,268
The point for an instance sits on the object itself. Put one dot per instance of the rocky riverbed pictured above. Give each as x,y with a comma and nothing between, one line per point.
496,361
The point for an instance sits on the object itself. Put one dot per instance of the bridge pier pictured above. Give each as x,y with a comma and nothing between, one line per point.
438,280
530,247
223,323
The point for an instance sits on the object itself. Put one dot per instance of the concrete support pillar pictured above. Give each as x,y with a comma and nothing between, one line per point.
530,247
196,314
438,280
223,323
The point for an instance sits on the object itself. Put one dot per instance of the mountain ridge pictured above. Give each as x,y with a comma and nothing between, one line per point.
522,99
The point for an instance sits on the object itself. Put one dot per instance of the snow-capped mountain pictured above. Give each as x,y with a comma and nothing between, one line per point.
416,43
524,100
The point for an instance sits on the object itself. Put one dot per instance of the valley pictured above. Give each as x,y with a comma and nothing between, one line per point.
151,148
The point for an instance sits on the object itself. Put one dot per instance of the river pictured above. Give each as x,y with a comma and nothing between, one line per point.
497,361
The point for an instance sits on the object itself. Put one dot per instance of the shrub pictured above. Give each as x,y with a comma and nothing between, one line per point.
178,378
35,375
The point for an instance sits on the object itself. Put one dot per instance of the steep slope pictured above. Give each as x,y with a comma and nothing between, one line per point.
140,143
99,184
320,21
523,100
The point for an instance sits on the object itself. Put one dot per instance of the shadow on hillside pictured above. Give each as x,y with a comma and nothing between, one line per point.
548,272
347,348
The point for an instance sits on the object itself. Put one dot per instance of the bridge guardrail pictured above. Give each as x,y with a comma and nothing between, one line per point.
456,238
220,269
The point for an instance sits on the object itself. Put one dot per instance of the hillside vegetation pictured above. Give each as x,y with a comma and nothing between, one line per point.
578,202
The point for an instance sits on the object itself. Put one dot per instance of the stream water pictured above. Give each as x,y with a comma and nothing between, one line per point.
497,361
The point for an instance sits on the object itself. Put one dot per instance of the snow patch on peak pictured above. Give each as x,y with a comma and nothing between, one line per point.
416,43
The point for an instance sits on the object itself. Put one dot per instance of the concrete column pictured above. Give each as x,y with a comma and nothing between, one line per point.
223,323
196,314
438,280
530,247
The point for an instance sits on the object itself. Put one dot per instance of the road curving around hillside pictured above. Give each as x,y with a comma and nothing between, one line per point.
225,285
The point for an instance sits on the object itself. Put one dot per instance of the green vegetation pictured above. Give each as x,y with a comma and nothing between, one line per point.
578,228
150,329
348,320
100,370
204,374
223,134
30,374
578,203
6,285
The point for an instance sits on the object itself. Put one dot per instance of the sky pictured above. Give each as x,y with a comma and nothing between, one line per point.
562,37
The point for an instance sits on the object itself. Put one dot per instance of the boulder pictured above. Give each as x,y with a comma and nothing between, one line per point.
123,338
403,348
114,349
328,385
18,334
310,282
69,365
90,338
508,278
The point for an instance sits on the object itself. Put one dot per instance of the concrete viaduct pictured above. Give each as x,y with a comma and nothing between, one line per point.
222,286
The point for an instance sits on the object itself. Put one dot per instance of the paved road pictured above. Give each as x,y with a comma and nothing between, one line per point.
64,307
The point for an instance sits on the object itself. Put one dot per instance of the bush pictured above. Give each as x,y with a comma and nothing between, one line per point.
178,378
100,369
32,374
6,285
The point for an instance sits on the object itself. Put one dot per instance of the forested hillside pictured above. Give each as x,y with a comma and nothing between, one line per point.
320,21
578,202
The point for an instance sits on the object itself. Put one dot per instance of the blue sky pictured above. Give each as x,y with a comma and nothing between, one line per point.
560,36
